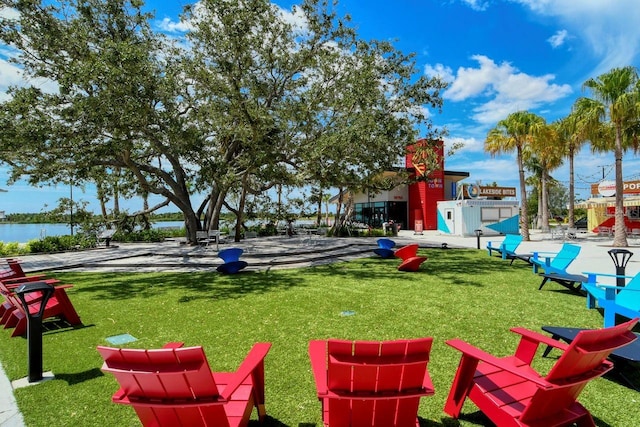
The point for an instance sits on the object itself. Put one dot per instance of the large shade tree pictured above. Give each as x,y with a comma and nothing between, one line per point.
246,102
610,116
114,99
516,133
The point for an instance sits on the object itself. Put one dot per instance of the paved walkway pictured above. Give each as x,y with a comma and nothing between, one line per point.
283,252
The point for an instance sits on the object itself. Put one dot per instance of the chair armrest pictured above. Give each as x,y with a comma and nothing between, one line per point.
30,278
529,342
605,286
254,359
475,353
318,357
594,275
15,283
174,344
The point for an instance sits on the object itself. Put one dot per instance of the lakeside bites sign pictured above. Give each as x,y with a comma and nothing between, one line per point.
473,191
608,188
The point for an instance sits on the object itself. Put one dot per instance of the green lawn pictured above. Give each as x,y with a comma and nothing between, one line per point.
457,293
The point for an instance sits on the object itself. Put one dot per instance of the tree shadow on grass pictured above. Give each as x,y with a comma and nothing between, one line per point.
460,266
124,286
79,377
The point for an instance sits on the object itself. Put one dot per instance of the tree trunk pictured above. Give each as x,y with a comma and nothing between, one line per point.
538,216
240,213
524,216
334,227
572,191
620,234
544,201
319,216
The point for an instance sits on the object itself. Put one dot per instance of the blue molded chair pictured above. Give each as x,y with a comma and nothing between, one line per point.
385,248
232,263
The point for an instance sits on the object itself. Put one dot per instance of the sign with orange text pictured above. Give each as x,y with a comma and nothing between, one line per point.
607,188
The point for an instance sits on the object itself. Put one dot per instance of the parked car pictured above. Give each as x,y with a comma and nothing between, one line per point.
581,224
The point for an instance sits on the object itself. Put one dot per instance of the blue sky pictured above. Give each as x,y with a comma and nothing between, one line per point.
499,56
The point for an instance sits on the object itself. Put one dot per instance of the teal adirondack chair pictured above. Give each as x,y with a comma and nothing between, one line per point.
507,247
621,300
557,263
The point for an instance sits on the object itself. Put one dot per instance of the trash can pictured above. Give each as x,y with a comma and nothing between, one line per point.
418,227
34,326
394,228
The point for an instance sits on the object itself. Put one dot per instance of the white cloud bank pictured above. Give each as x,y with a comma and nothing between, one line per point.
504,88
609,29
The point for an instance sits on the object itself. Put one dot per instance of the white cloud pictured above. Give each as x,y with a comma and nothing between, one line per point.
9,13
439,70
477,4
609,29
558,38
502,169
506,88
466,145
171,26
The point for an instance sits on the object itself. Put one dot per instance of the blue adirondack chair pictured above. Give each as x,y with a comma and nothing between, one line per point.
507,247
385,248
622,300
555,262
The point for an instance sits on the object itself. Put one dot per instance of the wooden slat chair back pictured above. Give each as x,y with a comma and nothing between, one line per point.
371,383
175,386
511,393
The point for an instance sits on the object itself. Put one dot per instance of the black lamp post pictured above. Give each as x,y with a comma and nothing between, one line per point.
34,326
620,259
478,234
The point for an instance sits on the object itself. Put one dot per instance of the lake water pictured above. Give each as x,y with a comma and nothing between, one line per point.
22,233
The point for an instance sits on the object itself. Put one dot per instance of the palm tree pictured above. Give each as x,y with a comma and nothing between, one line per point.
532,164
571,136
549,152
516,132
611,117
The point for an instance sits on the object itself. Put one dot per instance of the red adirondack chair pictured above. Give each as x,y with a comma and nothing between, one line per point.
410,259
7,286
511,393
58,305
174,386
371,383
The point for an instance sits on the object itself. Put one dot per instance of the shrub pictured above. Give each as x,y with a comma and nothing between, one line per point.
13,248
62,243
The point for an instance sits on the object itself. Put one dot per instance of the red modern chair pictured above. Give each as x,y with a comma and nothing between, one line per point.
410,259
